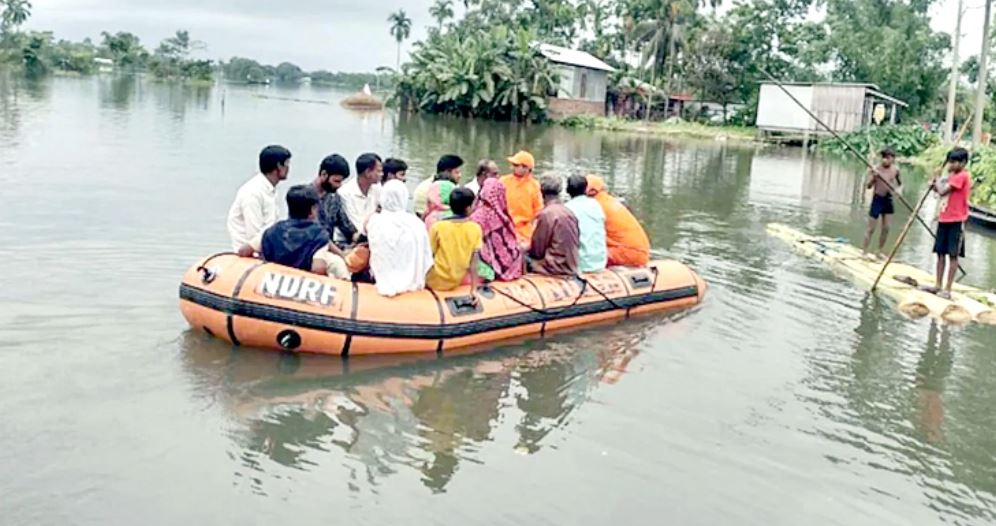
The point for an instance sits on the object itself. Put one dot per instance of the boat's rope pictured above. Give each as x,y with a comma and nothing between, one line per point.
538,310
207,275
585,284
602,294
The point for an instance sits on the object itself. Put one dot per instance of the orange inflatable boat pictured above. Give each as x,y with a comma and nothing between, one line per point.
249,302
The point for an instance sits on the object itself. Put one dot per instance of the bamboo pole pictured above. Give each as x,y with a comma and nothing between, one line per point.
902,234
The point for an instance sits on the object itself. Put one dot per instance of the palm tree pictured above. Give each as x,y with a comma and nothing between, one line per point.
442,11
15,13
401,29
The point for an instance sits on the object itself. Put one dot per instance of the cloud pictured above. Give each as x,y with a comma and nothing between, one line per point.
316,34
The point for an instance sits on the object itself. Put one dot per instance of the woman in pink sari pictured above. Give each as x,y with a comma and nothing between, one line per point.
500,249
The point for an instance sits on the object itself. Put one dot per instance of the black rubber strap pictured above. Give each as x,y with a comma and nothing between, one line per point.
542,303
352,316
229,318
442,317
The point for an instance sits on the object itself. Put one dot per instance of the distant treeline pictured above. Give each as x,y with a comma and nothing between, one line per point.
38,53
240,69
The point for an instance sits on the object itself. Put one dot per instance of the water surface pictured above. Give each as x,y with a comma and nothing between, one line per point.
790,397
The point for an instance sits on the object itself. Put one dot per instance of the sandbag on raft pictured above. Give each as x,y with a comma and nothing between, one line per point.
246,301
966,304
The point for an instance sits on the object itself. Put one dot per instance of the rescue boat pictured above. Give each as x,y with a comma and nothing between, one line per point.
248,302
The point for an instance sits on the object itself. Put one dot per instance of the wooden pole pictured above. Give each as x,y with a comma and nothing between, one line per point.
902,234
983,81
953,81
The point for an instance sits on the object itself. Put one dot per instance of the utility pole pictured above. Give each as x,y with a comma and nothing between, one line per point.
980,91
953,81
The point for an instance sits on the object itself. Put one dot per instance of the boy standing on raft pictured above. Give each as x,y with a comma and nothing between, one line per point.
950,240
883,179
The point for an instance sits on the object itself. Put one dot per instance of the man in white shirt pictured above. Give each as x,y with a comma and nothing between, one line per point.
360,194
485,169
255,206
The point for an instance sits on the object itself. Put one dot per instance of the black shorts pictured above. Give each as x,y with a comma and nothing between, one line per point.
881,204
950,240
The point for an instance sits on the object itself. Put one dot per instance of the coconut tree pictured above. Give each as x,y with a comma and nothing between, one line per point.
401,29
15,13
441,11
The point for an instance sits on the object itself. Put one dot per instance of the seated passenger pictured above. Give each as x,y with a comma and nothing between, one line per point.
455,242
438,202
556,239
331,209
394,169
255,206
486,169
399,245
501,255
295,242
359,194
447,168
591,223
626,240
525,200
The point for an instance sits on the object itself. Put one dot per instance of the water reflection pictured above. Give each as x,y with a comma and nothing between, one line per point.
428,414
118,91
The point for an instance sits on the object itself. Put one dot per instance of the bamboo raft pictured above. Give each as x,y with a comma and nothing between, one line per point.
967,303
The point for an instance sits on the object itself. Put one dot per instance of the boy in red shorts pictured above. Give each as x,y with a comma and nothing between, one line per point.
953,191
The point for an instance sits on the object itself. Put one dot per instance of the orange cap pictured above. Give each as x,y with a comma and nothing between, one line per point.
595,184
523,157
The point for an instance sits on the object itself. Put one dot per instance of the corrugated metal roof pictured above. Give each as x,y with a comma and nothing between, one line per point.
893,100
872,89
573,57
853,84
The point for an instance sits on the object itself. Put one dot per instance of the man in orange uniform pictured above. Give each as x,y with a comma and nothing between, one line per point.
525,201
627,241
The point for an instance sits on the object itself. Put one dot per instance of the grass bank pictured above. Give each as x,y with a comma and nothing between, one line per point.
671,127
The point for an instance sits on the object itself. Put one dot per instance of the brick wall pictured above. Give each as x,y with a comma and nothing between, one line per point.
560,108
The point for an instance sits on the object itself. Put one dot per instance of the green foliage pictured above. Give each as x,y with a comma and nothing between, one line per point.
13,14
441,11
36,53
983,169
401,29
494,74
710,71
907,141
125,49
171,61
75,57
287,72
587,122
240,69
888,43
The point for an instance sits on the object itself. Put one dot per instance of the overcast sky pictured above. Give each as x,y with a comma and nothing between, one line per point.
338,35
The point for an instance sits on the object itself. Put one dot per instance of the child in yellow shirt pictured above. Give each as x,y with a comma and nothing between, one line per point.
455,243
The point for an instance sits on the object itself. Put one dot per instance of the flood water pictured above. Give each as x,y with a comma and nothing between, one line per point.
790,397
